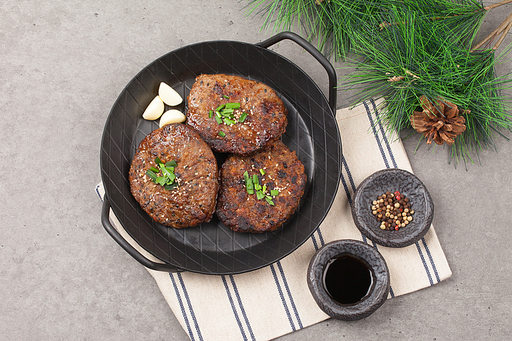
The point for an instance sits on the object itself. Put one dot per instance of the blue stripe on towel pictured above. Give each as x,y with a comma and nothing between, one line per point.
322,241
290,297
240,304
233,307
350,180
424,263
384,137
431,260
352,188
315,243
182,307
375,133
344,181
98,192
281,294
191,309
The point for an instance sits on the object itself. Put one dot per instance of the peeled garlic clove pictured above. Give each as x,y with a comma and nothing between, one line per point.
154,110
172,116
169,95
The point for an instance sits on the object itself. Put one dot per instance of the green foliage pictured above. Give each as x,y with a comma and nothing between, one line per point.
333,22
418,56
399,50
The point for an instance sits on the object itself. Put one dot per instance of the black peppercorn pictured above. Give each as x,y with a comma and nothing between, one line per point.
392,210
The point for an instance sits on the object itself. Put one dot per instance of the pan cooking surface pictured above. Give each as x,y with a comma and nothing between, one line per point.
213,248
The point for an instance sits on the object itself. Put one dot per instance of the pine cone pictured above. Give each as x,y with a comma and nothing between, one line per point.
439,121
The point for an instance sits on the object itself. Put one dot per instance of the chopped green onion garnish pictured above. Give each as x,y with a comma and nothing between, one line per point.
166,172
225,96
167,179
232,105
171,178
221,133
253,186
171,186
210,114
224,113
228,121
242,117
151,174
260,195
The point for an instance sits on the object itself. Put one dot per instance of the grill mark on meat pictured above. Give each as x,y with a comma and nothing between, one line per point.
265,123
194,200
243,212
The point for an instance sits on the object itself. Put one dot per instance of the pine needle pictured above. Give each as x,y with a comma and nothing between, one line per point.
401,50
419,57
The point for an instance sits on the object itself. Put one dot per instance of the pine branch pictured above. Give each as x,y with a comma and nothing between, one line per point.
333,22
419,57
498,4
501,30
407,49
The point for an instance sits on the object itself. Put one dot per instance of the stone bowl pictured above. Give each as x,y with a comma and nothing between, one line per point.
377,292
392,180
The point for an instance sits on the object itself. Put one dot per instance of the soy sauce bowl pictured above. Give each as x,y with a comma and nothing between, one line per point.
336,305
393,180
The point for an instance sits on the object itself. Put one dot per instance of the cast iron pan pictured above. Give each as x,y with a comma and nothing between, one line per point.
212,248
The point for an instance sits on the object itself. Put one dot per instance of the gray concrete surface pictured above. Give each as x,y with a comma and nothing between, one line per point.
63,64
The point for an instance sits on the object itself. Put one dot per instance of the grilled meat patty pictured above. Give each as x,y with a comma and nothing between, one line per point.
277,168
194,200
265,121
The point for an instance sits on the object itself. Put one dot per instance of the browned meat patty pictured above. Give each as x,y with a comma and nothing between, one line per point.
265,121
193,200
281,171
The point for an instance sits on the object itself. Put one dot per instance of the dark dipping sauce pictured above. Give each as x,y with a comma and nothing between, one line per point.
347,279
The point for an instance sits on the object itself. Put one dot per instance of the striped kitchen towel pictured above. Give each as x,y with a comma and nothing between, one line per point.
275,300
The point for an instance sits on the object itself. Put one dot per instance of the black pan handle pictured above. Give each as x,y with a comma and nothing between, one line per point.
331,73
105,220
